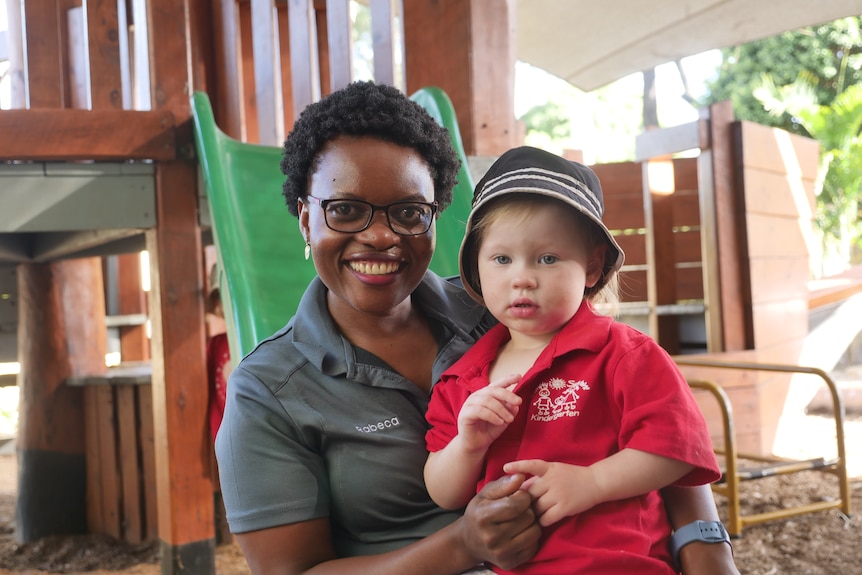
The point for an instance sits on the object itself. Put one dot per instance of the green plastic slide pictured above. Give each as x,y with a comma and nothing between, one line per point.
263,270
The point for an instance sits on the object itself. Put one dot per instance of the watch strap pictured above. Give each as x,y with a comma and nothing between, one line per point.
703,531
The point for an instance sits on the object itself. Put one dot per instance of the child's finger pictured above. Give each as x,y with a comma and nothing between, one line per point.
494,412
507,381
528,467
495,395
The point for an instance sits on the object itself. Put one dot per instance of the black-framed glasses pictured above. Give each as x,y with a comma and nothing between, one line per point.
351,216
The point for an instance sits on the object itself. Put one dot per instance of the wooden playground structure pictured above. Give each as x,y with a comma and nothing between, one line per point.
99,163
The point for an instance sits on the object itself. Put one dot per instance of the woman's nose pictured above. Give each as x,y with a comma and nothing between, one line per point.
379,230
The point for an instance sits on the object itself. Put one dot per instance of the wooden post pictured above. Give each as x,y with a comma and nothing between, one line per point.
179,383
140,520
467,48
57,338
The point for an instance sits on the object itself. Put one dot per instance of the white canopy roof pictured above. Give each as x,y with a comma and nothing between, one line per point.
591,44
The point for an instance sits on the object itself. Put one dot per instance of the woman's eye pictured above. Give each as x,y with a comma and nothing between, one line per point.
343,210
549,259
408,214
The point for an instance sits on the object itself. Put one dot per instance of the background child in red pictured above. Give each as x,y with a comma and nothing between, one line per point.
218,357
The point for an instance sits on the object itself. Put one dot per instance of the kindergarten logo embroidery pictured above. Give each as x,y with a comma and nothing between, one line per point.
557,398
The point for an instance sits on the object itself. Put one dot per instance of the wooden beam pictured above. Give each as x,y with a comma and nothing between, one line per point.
58,338
141,98
202,43
103,38
285,66
338,45
267,82
56,134
45,77
46,247
185,504
383,13
132,300
734,281
672,140
466,47
303,54
248,100
227,92
185,492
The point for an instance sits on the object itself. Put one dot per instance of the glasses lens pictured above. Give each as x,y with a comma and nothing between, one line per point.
410,218
347,215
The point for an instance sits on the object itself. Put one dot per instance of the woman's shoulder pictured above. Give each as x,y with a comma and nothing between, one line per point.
271,358
444,298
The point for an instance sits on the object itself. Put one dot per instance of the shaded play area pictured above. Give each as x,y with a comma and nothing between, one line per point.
105,157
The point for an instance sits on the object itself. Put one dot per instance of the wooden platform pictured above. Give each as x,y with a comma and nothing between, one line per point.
835,288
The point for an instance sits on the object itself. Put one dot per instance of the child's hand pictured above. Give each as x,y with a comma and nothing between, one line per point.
558,489
487,412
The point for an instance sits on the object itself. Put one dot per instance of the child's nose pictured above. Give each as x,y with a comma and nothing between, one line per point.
524,278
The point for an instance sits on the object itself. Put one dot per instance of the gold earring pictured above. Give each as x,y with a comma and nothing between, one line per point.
307,250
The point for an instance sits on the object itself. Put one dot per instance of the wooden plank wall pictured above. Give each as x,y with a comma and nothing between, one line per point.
622,185
775,174
675,220
121,479
779,172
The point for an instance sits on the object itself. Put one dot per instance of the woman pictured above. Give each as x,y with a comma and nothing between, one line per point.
321,448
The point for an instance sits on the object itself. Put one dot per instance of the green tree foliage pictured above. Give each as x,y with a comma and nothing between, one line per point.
551,119
831,53
809,82
837,128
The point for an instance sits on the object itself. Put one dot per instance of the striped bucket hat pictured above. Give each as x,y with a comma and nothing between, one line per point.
527,170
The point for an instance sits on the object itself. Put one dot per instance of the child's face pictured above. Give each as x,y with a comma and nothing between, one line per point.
533,269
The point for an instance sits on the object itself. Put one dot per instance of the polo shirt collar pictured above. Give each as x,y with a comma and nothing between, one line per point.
316,336
586,331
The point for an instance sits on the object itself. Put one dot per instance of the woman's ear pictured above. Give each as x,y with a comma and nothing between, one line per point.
596,264
302,214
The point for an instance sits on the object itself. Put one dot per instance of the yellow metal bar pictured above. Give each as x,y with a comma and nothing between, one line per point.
791,512
730,490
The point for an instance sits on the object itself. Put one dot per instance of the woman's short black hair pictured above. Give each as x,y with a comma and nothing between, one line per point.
367,109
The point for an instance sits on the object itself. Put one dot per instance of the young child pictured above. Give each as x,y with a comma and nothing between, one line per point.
595,413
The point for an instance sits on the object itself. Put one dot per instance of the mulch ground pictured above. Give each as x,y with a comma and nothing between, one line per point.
822,543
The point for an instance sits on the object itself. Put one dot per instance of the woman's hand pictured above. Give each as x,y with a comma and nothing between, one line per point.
499,525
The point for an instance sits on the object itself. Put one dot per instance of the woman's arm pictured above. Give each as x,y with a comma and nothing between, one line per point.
687,504
498,526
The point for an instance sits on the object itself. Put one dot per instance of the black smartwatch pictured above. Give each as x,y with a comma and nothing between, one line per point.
705,531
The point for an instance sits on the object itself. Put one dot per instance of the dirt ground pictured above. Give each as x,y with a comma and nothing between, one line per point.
823,543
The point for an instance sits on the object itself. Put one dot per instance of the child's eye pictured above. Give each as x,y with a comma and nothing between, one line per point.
502,259
549,259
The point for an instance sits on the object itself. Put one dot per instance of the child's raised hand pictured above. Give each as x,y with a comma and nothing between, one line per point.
558,489
487,412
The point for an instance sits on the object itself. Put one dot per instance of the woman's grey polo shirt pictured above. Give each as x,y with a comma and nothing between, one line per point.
317,428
